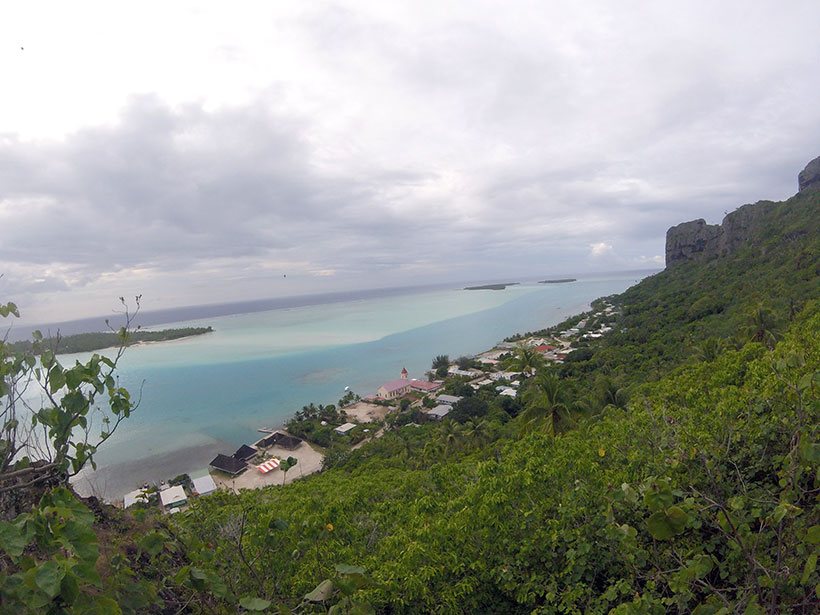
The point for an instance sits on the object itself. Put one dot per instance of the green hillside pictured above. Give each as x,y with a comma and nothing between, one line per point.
670,466
88,342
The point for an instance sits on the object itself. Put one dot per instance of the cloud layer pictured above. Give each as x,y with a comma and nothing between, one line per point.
385,145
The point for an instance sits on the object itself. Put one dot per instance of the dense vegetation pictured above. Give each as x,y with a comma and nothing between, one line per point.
670,466
88,342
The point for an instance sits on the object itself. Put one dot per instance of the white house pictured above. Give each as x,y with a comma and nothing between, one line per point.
173,497
448,399
464,373
440,411
345,429
204,485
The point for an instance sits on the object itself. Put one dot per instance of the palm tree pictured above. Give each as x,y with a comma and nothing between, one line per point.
433,450
525,360
450,436
286,465
612,394
478,432
709,349
546,405
762,327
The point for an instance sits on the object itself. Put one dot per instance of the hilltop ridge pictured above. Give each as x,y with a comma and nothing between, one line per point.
698,241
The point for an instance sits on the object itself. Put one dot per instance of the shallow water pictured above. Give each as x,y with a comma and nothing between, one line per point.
211,393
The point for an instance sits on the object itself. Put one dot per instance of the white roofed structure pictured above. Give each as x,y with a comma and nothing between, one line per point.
204,485
345,429
439,412
173,496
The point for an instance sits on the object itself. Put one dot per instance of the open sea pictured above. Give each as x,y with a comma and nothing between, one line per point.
210,393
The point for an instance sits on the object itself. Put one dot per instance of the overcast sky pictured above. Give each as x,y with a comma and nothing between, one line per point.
198,152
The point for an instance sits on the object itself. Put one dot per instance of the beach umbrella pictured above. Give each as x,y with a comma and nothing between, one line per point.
269,465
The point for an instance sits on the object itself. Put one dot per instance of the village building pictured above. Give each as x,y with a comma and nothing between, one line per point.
439,412
204,484
464,373
277,438
487,361
504,375
396,388
173,497
448,399
245,452
424,386
345,429
229,465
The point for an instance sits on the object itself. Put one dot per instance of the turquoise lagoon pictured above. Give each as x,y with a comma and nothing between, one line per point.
210,393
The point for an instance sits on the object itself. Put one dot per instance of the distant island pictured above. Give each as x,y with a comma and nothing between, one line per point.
491,286
87,342
558,281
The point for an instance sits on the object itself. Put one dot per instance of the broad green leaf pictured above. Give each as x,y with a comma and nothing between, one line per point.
321,593
252,603
677,518
347,569
69,589
101,605
811,565
153,542
659,526
12,539
809,451
48,578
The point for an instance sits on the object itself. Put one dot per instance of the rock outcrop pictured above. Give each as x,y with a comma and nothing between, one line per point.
693,240
809,178
699,241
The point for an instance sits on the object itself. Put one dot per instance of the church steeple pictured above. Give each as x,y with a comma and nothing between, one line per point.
404,373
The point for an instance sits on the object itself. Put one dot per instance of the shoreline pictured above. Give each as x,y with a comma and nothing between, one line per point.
112,481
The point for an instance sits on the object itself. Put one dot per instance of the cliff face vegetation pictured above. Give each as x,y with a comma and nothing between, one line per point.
670,466
699,241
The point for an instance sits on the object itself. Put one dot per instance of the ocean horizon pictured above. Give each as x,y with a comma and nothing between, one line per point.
207,394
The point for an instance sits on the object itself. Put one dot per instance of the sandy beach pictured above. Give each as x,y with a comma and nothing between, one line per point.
308,459
363,412
112,482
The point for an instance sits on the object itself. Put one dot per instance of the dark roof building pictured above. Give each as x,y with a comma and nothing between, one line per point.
229,465
280,439
244,452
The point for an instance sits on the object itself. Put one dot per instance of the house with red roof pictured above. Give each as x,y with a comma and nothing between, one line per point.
394,388
424,386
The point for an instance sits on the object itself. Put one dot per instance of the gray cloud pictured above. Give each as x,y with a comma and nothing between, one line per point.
464,144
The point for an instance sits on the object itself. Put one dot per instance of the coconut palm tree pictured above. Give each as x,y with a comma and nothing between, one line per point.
450,435
547,406
477,432
525,360
709,349
434,450
762,326
612,394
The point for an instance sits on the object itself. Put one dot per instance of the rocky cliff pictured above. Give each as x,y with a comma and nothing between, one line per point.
809,178
699,241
